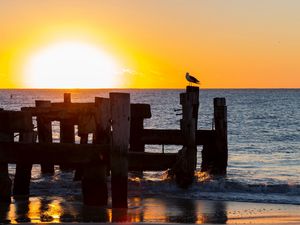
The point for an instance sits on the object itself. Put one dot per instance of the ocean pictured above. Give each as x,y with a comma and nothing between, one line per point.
263,165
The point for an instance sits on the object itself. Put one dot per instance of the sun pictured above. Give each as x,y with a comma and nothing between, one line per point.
71,64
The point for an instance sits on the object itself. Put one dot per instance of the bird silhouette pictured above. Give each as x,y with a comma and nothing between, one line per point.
191,79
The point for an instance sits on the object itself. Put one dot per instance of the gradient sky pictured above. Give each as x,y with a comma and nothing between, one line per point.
226,44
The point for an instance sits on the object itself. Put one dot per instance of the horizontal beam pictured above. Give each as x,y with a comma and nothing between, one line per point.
175,137
141,111
61,111
146,161
15,121
54,153
59,153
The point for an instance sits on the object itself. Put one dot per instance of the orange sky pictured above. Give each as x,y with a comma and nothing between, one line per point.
226,44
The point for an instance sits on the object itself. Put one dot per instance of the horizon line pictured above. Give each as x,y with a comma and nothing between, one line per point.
228,88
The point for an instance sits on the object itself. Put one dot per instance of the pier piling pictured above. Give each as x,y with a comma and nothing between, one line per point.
215,153
187,161
23,170
220,118
120,119
44,128
5,181
67,129
139,112
94,182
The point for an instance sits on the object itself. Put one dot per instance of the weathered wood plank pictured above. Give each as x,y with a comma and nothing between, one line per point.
5,181
120,116
73,105
94,181
67,97
140,110
220,117
136,129
44,128
54,153
58,110
67,125
67,130
15,121
138,113
23,170
184,171
189,124
215,154
102,134
175,137
80,154
147,161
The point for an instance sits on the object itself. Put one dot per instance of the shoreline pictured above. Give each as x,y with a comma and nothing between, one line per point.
149,210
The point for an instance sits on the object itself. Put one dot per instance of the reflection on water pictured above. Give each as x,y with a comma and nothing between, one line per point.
215,212
56,209
155,210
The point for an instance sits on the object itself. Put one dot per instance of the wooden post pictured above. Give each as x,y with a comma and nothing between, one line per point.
23,170
220,117
86,125
215,153
189,122
103,125
67,97
138,113
44,134
94,182
6,135
102,135
208,156
5,181
67,126
67,129
79,172
188,156
120,116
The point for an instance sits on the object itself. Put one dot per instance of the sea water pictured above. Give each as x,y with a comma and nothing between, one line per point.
263,142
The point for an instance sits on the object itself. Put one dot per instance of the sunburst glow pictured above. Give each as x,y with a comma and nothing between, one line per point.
71,65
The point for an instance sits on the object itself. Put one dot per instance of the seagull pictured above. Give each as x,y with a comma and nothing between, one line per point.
191,79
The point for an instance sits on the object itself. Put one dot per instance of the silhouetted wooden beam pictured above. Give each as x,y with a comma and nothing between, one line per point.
15,121
140,110
60,110
79,154
174,137
145,161
56,153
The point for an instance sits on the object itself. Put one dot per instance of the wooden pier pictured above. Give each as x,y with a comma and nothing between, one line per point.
118,145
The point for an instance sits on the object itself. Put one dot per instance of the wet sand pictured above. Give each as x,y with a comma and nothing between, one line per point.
148,210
